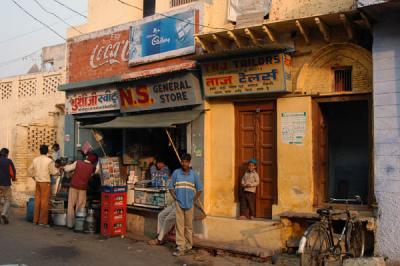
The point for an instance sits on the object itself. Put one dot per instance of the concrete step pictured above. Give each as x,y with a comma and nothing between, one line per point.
219,247
258,233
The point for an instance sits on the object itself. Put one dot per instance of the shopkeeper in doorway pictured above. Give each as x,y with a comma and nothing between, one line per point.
83,170
159,170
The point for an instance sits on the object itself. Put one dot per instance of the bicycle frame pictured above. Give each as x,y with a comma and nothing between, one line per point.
342,234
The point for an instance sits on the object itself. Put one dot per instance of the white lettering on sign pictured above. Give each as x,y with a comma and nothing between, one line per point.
111,53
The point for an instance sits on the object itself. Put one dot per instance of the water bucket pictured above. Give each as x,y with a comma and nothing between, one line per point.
59,217
30,207
80,220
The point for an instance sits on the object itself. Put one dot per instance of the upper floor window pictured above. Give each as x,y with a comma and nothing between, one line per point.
149,8
342,78
174,3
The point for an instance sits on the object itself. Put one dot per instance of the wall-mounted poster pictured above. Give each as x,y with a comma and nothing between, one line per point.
159,37
293,127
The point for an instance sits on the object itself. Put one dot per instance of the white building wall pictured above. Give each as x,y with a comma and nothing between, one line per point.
386,61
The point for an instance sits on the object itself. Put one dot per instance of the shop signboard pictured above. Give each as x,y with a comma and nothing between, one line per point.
160,93
88,101
247,75
159,37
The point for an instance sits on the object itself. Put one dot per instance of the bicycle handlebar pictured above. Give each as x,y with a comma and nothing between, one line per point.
356,199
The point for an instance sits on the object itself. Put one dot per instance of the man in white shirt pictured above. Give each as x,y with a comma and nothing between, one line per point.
40,170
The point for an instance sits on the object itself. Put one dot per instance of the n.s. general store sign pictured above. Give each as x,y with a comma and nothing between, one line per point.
247,75
178,90
92,101
160,37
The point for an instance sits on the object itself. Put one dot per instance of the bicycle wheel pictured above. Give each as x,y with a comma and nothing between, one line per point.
355,239
316,247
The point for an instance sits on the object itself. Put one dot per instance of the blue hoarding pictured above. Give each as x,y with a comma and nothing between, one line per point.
169,36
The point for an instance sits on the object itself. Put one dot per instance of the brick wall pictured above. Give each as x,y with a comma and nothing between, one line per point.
386,57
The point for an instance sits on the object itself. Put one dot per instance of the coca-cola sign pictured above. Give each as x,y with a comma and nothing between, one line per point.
97,56
112,51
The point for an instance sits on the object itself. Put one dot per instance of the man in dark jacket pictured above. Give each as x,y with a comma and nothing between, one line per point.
83,170
7,173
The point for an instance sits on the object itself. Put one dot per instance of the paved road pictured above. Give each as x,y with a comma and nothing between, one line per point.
24,243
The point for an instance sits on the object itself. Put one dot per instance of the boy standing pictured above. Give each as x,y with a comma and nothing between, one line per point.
249,183
185,188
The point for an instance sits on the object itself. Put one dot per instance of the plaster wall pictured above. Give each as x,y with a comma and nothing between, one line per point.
386,57
30,117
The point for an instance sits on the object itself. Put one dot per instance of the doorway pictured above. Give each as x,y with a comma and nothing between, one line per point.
343,150
256,138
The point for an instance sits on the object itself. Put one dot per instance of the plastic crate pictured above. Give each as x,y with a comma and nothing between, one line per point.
113,199
113,213
114,189
109,229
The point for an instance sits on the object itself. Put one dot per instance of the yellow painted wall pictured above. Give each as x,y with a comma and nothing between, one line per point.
295,162
219,179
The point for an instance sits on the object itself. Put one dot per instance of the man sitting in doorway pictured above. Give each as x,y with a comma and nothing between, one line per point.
83,170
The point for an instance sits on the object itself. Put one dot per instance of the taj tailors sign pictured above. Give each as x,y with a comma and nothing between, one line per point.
247,75
161,93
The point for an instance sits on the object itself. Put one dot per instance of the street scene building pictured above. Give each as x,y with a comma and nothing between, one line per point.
260,122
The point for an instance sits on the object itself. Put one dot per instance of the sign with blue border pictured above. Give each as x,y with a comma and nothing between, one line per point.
169,36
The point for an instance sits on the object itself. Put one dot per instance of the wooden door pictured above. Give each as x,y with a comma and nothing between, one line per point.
256,131
321,155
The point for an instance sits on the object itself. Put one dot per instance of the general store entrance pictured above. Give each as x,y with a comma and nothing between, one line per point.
344,150
255,138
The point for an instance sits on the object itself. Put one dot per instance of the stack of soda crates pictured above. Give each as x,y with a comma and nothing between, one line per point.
113,211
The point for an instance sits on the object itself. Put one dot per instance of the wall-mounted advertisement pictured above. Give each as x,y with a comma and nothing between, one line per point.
163,37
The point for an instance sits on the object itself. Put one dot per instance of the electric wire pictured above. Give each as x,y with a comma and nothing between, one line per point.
173,17
57,16
70,9
41,22
5,63
30,32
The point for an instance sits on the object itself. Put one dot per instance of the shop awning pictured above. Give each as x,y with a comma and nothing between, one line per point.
154,120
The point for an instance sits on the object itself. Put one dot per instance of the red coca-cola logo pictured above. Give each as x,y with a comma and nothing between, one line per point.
110,52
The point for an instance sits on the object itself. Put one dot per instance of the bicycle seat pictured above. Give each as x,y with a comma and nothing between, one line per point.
324,212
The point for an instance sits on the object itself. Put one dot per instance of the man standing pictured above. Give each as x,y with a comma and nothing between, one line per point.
41,169
7,173
83,170
185,188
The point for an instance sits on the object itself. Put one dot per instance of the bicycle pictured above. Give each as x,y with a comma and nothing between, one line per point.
317,243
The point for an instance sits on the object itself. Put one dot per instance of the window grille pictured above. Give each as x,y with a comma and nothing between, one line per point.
174,3
342,79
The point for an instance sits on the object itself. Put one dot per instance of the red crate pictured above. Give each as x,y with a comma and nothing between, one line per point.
113,213
113,229
113,199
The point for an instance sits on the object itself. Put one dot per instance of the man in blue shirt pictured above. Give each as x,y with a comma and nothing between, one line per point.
185,188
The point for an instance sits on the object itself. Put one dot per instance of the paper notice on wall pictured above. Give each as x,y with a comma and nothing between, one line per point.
293,127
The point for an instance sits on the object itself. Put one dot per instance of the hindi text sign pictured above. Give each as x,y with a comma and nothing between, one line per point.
92,101
257,74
